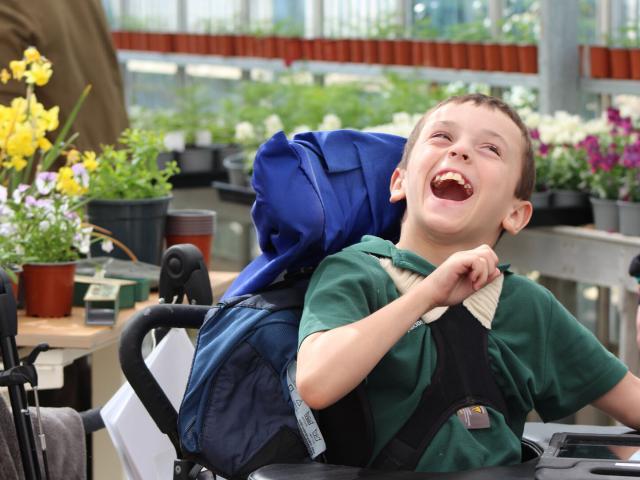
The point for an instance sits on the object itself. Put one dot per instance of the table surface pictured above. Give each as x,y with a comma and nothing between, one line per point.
71,331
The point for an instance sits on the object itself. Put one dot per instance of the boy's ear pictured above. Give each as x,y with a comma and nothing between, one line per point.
518,216
396,187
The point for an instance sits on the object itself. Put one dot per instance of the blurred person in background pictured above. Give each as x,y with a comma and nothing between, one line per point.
75,36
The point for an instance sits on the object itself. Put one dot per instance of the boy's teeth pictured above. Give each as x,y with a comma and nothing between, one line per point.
451,176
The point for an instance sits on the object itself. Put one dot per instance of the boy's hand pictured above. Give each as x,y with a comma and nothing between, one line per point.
462,274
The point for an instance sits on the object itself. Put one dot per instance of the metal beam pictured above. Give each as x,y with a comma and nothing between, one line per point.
558,56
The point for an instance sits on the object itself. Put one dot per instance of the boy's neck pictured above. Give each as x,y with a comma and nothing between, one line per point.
433,249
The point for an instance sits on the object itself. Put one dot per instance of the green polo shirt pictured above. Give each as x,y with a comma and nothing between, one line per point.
542,357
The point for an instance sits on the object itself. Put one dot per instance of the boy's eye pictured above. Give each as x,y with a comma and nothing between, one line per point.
441,135
494,149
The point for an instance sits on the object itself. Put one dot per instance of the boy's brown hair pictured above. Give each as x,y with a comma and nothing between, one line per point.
525,186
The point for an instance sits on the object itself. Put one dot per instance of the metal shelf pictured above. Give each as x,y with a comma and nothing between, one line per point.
440,75
608,86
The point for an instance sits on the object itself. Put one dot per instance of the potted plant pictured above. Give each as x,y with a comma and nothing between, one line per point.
567,176
519,38
424,47
541,196
40,211
129,194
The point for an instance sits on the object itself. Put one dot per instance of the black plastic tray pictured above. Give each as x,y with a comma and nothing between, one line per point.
235,193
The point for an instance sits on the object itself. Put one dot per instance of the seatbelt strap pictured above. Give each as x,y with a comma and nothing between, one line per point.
307,424
462,378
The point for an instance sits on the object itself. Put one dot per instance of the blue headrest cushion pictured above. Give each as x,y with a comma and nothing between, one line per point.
315,195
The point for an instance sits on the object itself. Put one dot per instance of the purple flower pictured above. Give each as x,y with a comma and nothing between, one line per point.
534,133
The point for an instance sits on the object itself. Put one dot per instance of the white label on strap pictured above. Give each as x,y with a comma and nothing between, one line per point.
307,424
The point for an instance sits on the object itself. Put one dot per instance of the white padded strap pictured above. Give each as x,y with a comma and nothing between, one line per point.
481,304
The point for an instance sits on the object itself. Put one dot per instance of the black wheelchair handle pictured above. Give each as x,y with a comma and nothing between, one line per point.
135,369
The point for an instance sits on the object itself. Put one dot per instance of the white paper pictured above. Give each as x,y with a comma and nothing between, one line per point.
147,453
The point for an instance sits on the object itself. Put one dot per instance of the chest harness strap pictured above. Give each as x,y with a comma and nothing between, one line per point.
462,378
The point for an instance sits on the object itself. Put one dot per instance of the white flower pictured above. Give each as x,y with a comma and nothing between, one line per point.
272,125
3,194
44,225
330,122
45,181
19,192
245,133
107,245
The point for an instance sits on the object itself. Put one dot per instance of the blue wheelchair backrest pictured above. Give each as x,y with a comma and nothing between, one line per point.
315,194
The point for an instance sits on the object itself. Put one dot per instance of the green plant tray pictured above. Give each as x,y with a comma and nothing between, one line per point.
546,217
235,193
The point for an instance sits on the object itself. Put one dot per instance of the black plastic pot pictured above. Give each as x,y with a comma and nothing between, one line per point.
138,224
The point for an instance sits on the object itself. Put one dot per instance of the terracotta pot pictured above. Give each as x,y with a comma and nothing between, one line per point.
528,58
634,56
370,51
385,52
476,56
402,52
620,63
459,55
197,227
181,43
226,45
443,54
214,44
240,45
600,66
509,57
292,50
48,288
356,50
307,49
329,52
416,52
269,47
138,40
492,57
429,54
343,50
116,38
318,49
160,42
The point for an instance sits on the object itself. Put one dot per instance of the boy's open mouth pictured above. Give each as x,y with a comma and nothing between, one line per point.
451,186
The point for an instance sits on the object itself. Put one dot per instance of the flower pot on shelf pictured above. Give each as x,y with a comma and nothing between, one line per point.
459,55
417,52
541,199
620,63
385,52
443,54
343,50
569,198
634,63
599,61
138,224
528,58
605,214
196,227
429,54
492,57
356,50
476,56
402,52
629,217
509,57
370,50
235,165
48,288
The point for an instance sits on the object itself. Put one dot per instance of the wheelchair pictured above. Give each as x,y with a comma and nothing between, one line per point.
334,188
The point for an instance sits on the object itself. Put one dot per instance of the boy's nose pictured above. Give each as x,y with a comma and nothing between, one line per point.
454,153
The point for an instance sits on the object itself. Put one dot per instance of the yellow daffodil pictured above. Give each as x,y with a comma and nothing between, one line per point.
31,55
89,161
73,156
18,68
44,144
51,118
5,76
18,163
21,143
39,73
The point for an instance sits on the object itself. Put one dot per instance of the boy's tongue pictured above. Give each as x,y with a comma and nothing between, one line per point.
450,190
